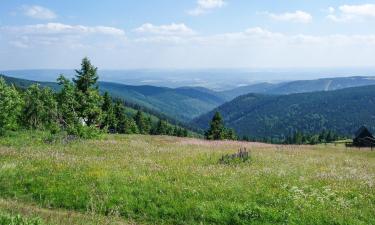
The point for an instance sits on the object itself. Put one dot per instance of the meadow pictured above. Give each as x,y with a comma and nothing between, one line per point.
135,179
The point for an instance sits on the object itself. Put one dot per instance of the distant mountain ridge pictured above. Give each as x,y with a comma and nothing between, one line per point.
301,86
277,116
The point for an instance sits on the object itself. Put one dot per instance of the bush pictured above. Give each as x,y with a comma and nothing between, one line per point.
240,157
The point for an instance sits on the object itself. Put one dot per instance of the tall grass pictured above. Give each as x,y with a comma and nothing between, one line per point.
165,180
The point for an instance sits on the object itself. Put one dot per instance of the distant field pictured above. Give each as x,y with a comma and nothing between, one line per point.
164,180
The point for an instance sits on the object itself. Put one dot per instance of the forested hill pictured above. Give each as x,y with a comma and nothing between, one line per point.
256,115
183,104
300,86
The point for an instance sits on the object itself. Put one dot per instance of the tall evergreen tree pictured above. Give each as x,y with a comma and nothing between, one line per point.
87,76
88,97
109,117
216,130
144,124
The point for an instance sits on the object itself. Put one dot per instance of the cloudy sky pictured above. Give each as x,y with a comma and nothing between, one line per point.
124,34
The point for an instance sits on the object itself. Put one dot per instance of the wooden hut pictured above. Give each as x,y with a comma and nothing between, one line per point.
364,138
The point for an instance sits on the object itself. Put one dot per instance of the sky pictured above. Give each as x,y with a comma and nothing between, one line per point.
187,34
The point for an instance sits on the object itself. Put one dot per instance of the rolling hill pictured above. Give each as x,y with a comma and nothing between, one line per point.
183,103
300,86
276,116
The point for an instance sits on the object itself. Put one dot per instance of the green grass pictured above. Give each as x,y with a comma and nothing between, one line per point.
166,180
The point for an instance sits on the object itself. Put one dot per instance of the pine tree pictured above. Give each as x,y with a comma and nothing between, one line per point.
216,130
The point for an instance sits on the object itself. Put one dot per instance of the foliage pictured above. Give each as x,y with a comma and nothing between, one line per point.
10,107
143,123
76,109
277,117
324,137
40,108
217,131
86,77
67,104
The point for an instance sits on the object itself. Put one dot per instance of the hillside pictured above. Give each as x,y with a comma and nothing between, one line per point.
182,104
300,86
137,179
262,116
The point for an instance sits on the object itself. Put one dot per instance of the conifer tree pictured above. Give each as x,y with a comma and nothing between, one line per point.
216,130
88,97
109,118
87,76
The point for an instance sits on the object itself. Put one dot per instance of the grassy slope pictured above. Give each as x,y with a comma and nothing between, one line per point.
179,181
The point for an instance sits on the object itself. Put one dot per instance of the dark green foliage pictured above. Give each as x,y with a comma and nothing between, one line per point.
67,104
110,120
277,117
40,108
144,124
86,77
217,131
77,109
162,128
301,138
125,124
128,101
10,107
87,93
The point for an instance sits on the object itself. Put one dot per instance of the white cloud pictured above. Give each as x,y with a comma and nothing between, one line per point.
352,12
297,16
71,36
158,47
204,6
38,12
167,30
59,28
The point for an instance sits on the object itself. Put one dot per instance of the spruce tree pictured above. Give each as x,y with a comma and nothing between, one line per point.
109,117
216,130
87,76
88,97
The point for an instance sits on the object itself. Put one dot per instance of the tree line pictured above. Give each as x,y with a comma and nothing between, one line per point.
218,131
77,108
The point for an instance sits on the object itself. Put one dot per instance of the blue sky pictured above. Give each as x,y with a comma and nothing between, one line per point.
123,34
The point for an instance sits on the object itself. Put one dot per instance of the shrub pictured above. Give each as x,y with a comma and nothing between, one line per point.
240,157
